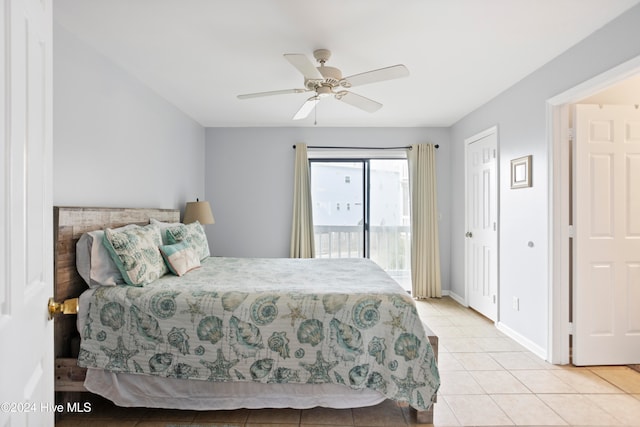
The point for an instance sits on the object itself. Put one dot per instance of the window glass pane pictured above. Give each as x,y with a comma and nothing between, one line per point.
338,209
390,229
353,218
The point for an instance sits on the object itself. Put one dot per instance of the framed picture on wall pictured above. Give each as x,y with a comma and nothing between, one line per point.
521,172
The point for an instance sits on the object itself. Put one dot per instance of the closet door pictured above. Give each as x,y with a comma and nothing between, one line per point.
481,210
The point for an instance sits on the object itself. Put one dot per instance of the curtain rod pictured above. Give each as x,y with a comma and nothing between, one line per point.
361,148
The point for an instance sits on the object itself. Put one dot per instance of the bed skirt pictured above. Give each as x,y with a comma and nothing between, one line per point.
130,390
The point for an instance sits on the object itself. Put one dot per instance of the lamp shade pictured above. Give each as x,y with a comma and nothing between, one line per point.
198,211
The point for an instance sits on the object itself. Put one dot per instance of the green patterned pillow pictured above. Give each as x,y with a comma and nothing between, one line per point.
135,252
180,257
193,234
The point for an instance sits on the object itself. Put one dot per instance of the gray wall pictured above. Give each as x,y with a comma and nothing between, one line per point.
520,114
116,142
249,182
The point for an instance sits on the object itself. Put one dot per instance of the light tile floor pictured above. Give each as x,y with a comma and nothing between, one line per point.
487,380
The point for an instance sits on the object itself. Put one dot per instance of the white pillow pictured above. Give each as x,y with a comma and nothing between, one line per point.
93,261
163,226
180,257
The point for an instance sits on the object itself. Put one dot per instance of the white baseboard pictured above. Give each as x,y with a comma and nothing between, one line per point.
523,341
457,298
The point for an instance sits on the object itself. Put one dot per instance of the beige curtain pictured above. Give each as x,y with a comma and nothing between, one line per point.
302,245
425,253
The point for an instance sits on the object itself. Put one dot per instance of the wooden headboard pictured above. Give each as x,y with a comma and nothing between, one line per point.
69,223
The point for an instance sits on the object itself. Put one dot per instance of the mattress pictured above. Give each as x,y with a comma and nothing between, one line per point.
254,332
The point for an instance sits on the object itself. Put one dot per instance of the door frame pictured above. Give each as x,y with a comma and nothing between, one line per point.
559,155
492,130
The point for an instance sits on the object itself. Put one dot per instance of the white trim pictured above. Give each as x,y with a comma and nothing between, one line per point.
558,193
457,298
478,136
522,340
557,123
597,83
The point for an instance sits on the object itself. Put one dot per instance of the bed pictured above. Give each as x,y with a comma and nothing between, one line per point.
238,332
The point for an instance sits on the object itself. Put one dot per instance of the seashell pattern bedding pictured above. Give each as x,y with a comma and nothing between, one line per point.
341,321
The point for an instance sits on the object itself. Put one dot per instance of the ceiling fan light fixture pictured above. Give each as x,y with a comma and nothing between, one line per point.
324,91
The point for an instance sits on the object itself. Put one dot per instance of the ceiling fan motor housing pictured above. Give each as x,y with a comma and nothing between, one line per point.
332,77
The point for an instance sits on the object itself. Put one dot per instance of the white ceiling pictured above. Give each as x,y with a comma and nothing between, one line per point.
200,54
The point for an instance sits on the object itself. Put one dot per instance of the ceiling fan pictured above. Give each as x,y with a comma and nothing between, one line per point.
327,81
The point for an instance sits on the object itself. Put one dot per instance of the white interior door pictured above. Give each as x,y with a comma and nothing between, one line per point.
26,261
481,207
606,282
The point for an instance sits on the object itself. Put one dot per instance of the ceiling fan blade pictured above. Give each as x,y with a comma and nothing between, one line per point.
304,65
359,101
306,108
273,92
388,73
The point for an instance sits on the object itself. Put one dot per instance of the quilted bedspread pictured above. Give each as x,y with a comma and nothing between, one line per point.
339,321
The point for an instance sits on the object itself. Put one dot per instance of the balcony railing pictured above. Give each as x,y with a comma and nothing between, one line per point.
389,247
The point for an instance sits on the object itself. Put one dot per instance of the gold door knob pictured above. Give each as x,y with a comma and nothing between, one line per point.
69,306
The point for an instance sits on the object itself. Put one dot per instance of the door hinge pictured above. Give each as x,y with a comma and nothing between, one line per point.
570,134
494,153
571,231
570,328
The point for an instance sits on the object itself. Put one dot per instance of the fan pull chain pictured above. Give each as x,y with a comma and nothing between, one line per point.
315,115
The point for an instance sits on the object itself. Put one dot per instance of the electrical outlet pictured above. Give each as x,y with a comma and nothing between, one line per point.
516,303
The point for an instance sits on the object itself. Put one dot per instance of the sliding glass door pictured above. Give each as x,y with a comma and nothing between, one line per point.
361,209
